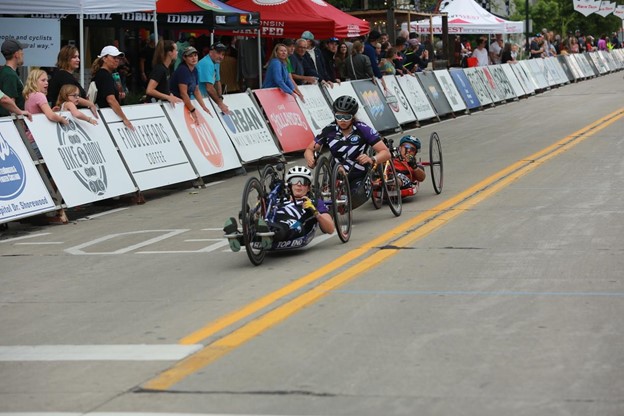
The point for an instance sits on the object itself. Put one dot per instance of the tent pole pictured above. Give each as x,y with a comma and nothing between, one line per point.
82,50
259,61
155,27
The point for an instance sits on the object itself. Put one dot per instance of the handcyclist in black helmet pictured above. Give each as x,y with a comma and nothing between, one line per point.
348,140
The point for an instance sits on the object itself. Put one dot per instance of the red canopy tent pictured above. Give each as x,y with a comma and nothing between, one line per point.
290,18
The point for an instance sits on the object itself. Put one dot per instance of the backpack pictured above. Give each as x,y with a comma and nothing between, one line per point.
92,92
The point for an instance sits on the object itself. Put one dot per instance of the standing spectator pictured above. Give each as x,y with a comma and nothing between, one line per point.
158,82
602,42
277,74
108,94
359,65
590,45
10,83
386,65
370,51
536,48
184,83
615,41
304,71
574,46
399,59
496,49
123,71
481,53
328,50
318,61
340,61
507,55
209,75
417,57
9,104
67,62
146,58
580,39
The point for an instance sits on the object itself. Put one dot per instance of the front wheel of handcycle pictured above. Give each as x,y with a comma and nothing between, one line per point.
435,162
341,202
377,191
392,188
253,209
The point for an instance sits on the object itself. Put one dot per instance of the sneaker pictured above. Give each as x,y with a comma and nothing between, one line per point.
265,233
235,243
230,227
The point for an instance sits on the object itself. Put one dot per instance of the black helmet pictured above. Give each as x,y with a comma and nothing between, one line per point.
346,104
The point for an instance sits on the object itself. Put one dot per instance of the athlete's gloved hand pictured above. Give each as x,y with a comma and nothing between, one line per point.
309,206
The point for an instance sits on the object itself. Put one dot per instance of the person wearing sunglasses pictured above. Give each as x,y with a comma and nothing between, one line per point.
296,215
408,169
348,140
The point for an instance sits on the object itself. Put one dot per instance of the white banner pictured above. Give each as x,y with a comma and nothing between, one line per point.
152,151
513,80
41,38
450,90
345,88
606,8
488,81
545,72
536,73
416,97
584,64
574,66
396,99
315,108
554,67
503,86
523,78
81,159
247,128
206,142
478,85
619,11
586,7
22,192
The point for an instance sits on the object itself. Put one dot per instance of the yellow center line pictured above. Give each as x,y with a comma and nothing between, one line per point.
404,234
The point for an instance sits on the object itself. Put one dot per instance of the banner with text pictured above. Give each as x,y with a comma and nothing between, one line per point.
465,89
315,108
345,88
375,105
450,90
397,100
416,97
41,38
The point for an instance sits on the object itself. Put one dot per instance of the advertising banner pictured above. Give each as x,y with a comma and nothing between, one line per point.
544,70
285,117
555,70
586,7
598,64
416,97
315,108
566,67
536,75
521,75
396,100
22,192
490,84
152,151
375,105
465,89
513,80
582,61
345,88
41,38
206,142
81,158
247,129
574,66
434,92
503,86
478,85
450,90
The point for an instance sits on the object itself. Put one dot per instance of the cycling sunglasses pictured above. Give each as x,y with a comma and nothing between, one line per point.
298,181
343,117
410,148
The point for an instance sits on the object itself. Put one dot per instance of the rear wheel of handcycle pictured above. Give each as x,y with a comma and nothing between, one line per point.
392,188
341,202
322,179
435,162
377,193
266,177
253,209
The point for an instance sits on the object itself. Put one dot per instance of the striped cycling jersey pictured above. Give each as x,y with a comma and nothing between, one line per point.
345,150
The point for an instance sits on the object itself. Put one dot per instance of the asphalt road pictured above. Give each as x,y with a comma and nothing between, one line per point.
502,295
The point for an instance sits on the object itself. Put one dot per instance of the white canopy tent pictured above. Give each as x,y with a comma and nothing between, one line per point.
466,17
80,8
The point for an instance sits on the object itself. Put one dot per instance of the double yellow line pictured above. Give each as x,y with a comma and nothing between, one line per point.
400,236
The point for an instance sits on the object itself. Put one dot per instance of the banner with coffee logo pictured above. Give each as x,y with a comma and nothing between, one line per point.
206,141
152,150
416,97
22,192
396,99
346,88
315,108
81,159
286,119
247,129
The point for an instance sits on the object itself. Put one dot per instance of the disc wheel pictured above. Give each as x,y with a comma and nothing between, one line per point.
392,188
341,202
377,193
322,180
253,209
435,162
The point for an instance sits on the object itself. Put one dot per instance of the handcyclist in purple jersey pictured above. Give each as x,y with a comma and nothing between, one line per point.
348,141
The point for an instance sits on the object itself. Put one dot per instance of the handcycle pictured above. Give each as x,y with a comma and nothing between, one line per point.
436,168
260,201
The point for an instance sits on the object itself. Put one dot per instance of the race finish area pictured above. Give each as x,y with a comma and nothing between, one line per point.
480,300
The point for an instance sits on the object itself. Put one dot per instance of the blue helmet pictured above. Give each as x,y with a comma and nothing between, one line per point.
411,140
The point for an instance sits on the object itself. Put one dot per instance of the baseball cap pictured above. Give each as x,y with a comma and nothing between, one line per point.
110,50
307,35
538,35
219,47
413,42
189,50
332,40
10,46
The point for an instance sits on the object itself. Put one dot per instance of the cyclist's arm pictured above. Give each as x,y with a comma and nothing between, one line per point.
308,154
381,152
326,223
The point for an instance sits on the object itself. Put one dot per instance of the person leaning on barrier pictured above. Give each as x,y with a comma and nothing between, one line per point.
10,83
304,71
277,72
108,94
296,214
158,83
67,62
184,82
348,140
209,75
9,104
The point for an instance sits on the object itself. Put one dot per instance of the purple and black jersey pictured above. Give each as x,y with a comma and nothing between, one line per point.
345,150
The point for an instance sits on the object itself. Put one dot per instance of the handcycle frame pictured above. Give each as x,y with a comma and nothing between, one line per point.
260,200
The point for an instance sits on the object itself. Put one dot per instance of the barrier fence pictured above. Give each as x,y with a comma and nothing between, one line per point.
82,163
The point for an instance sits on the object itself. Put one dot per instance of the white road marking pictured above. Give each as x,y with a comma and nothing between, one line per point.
220,243
78,250
38,243
101,214
9,240
120,414
143,352
194,240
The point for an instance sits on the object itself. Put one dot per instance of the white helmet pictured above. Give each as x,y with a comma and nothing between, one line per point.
299,172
